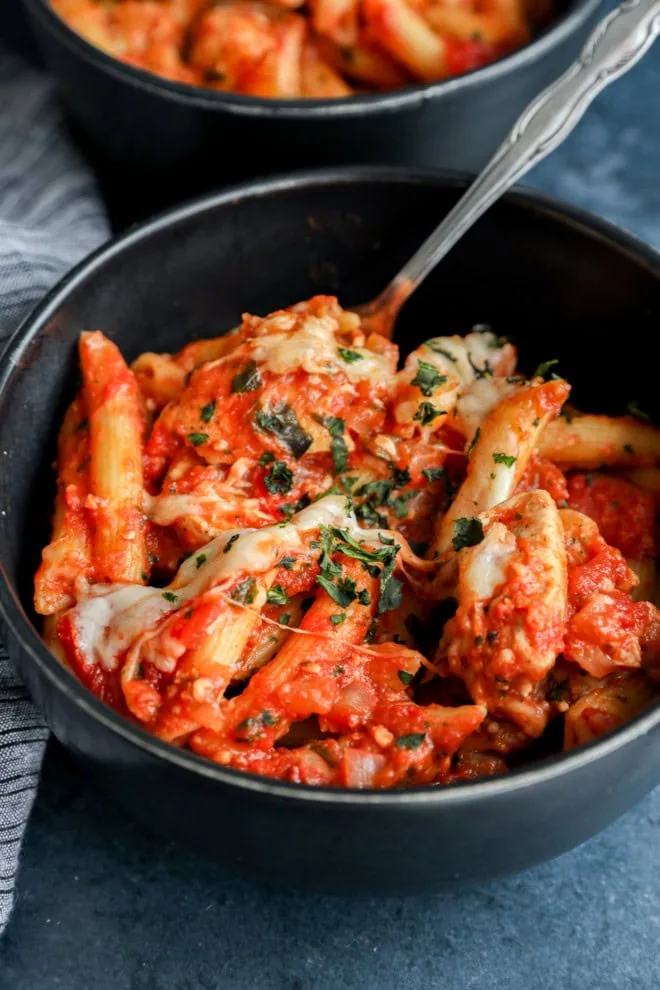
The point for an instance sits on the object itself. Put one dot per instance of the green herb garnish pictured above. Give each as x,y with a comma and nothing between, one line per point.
427,412
279,479
277,595
544,368
197,439
350,357
207,411
506,459
281,421
412,741
427,378
247,380
467,532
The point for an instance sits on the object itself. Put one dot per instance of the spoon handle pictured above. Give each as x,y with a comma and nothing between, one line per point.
614,46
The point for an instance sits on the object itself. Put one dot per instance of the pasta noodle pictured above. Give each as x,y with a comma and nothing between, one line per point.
278,550
320,49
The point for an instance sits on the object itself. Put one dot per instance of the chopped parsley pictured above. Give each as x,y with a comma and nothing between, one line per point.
230,542
247,380
485,372
289,509
411,741
266,458
366,513
468,532
629,449
405,677
200,560
249,729
427,378
281,421
338,618
350,357
427,412
335,427
343,590
197,439
169,596
245,592
284,619
376,492
207,411
279,479
634,410
400,504
473,442
401,477
506,459
337,671
498,343
277,595
434,474
544,368
435,346
287,563
268,719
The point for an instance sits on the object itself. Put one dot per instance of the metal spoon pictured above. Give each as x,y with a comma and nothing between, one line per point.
615,45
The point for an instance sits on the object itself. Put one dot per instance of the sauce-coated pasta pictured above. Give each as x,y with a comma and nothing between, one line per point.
285,552
314,49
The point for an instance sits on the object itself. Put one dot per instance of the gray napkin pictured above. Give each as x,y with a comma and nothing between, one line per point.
51,215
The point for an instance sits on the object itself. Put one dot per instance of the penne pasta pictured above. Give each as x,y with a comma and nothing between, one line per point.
285,49
340,573
404,34
590,442
500,453
67,560
116,426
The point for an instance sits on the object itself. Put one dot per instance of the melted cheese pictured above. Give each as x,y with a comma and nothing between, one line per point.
462,355
165,510
486,567
314,349
477,400
112,618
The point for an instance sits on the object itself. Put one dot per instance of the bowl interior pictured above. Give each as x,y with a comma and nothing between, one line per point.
557,284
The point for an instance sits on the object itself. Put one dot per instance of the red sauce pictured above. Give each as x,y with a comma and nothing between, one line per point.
625,513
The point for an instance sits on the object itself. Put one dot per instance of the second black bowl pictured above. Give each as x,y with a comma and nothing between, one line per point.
562,284
183,139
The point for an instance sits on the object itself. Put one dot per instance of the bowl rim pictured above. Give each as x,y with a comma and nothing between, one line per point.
30,642
367,104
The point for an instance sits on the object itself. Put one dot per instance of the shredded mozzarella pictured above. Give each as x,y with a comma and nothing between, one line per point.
487,564
314,349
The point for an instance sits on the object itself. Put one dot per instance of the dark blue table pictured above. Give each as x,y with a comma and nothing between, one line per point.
102,906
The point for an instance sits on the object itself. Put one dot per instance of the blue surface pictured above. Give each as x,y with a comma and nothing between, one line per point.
103,906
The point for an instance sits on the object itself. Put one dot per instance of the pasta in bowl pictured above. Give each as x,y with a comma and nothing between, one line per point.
281,550
287,49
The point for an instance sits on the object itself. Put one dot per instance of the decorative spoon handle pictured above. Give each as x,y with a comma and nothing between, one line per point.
615,45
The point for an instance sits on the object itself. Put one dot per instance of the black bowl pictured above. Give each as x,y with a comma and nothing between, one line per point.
561,283
185,140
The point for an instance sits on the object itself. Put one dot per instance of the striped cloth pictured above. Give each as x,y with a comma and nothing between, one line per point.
50,216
